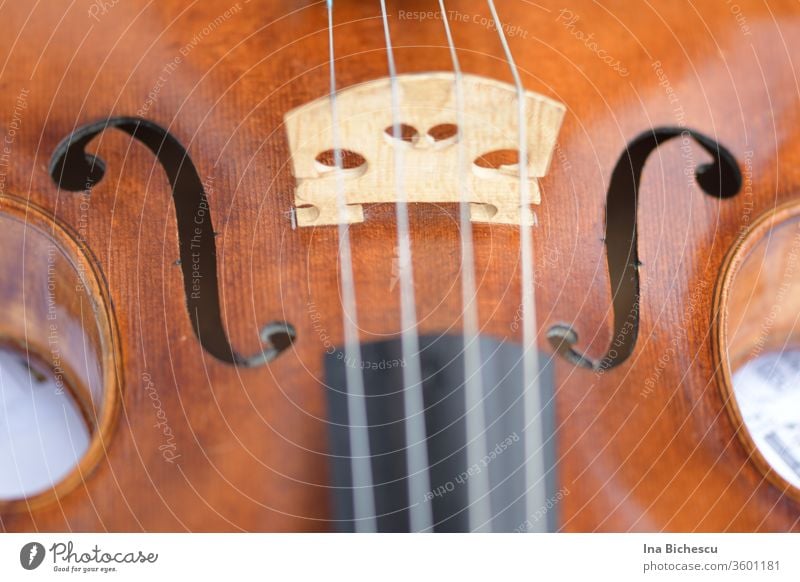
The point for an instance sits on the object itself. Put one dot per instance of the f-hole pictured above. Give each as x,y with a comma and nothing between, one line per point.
72,168
721,179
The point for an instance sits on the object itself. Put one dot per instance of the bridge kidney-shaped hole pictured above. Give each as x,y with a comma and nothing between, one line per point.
58,360
403,134
497,161
443,135
352,163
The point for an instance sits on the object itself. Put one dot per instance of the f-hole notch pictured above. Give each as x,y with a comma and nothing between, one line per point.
721,179
72,168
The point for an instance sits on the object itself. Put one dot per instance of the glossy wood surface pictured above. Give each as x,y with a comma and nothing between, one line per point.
644,446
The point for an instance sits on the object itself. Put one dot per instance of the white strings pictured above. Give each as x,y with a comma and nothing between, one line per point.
358,431
420,513
479,512
535,493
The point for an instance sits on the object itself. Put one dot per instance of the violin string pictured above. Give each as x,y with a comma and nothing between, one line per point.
420,513
479,512
364,516
535,494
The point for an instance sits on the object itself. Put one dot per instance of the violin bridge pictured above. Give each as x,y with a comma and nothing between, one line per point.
437,160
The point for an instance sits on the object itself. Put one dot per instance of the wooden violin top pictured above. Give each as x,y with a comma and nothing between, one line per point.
201,433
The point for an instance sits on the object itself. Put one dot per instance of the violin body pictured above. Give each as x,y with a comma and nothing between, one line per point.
198,442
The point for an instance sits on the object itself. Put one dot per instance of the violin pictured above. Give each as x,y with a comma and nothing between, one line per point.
400,266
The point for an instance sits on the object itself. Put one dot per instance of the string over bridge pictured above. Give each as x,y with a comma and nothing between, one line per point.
430,138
